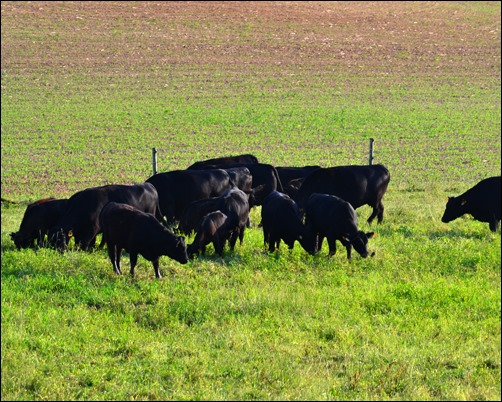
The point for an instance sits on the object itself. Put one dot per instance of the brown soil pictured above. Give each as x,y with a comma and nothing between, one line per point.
420,37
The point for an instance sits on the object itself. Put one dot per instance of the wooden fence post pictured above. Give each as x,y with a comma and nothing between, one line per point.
154,160
371,151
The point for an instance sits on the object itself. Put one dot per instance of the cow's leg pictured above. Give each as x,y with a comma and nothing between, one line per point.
156,268
380,212
348,245
332,246
115,258
266,237
133,258
494,223
241,235
218,247
40,238
272,241
373,215
320,239
233,239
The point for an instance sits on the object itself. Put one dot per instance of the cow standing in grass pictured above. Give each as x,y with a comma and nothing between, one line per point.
127,228
481,201
358,185
330,217
214,229
281,220
39,217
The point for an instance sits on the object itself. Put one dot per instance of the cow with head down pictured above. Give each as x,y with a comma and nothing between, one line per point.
482,202
138,233
281,220
330,217
38,218
214,228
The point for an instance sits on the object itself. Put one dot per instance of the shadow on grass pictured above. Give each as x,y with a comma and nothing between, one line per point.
458,234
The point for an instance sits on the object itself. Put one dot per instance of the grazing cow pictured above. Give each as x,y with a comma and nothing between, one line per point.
212,229
224,161
235,205
281,219
265,177
178,188
331,217
137,232
358,185
482,202
194,212
38,218
81,218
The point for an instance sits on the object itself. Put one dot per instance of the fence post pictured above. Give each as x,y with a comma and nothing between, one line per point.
154,160
371,151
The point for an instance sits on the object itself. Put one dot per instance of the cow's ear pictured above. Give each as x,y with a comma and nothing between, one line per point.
463,202
371,235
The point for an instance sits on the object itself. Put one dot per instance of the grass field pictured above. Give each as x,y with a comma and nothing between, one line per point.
89,88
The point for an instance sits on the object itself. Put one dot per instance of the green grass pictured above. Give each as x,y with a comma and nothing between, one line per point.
85,97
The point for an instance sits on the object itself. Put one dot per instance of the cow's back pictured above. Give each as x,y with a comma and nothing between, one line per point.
224,161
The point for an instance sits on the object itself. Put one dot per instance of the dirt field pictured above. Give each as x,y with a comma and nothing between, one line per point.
414,37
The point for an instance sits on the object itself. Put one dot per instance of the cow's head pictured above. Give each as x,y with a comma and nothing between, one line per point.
360,242
19,240
309,241
455,207
178,250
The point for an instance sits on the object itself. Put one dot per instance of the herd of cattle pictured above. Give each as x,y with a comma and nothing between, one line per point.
213,198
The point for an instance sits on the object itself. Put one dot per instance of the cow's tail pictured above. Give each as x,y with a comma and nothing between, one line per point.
279,183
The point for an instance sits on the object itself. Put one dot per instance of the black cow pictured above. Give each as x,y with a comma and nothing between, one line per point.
265,178
331,217
137,232
224,161
194,212
39,217
235,205
214,229
358,185
482,202
178,188
81,218
281,220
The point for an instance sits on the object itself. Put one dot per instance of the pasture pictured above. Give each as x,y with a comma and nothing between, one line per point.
89,88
